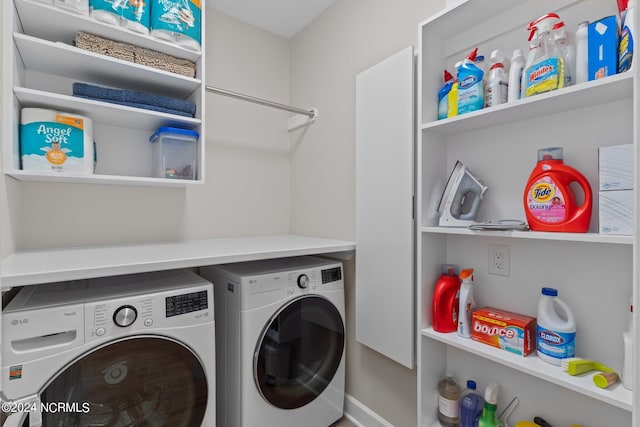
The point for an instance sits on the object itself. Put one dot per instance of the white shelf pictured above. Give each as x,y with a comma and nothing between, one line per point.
616,395
56,24
83,65
51,265
540,235
99,111
31,176
610,89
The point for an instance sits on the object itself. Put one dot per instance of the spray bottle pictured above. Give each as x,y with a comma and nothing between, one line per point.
497,84
549,70
467,303
565,41
443,96
488,417
470,86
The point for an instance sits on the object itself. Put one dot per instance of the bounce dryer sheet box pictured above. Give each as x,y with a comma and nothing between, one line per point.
515,333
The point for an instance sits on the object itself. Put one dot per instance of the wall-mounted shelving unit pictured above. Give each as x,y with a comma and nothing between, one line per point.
595,274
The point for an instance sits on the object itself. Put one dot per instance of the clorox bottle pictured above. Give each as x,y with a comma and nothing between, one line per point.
556,328
549,201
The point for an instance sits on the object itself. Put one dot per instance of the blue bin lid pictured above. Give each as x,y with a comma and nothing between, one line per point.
178,131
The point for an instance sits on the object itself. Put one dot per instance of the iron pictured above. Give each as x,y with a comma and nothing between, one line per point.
461,198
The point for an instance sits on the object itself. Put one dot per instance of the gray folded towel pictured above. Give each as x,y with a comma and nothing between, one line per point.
134,98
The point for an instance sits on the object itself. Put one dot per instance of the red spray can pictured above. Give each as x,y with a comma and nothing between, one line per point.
446,299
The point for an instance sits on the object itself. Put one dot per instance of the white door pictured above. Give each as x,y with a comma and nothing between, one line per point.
385,207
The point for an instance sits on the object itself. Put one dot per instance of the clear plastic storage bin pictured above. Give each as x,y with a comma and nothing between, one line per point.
174,153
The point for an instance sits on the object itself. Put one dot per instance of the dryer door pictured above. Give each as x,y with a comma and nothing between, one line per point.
141,381
299,352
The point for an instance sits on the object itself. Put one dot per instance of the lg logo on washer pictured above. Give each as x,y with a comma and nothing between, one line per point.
16,322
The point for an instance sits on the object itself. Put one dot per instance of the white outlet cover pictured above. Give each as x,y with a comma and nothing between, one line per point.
495,253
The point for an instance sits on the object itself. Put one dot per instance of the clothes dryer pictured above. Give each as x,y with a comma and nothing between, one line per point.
280,341
133,350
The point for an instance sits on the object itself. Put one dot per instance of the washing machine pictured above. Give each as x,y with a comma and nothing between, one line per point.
133,350
280,342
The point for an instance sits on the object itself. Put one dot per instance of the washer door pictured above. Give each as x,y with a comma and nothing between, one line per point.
141,381
299,352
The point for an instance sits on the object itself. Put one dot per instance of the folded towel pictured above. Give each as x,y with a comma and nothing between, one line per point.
130,96
136,105
136,54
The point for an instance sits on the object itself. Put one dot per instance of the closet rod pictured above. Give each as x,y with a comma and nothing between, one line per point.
308,113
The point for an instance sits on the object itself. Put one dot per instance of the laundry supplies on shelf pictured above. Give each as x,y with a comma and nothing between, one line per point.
549,200
445,301
556,330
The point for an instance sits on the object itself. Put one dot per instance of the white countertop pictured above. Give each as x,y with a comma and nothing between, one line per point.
31,267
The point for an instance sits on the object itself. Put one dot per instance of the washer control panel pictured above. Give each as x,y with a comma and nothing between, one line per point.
144,313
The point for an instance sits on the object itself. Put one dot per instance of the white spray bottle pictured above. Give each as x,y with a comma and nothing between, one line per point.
467,303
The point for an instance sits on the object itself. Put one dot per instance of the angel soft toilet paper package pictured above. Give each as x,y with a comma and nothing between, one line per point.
53,141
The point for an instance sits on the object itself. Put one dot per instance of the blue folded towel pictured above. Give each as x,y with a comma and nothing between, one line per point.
136,105
130,97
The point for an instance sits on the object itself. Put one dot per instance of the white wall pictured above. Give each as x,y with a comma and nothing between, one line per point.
348,38
247,165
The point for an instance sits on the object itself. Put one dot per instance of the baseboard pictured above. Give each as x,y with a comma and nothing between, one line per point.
361,415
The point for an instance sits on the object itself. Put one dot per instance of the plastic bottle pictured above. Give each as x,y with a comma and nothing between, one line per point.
443,96
467,303
471,405
549,70
556,330
488,417
627,366
515,76
449,394
549,200
565,41
626,46
446,300
452,98
582,52
470,85
497,83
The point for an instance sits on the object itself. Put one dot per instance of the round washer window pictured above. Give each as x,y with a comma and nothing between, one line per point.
140,381
299,352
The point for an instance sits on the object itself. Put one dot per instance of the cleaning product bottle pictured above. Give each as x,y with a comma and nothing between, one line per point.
565,42
471,405
488,417
625,53
556,329
470,86
449,394
446,300
534,45
549,201
443,96
497,84
548,71
452,98
515,76
467,303
627,365
582,52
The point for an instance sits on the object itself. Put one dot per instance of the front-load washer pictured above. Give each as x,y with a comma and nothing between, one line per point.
133,350
280,331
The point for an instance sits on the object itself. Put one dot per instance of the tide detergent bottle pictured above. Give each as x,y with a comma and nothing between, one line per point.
445,301
549,201
470,85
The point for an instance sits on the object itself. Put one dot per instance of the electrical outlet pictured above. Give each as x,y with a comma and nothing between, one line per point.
499,260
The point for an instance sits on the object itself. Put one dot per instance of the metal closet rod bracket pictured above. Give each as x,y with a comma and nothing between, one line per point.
294,122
